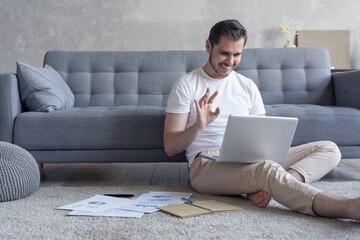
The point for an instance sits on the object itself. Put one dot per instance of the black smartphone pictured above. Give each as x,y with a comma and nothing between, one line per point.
119,195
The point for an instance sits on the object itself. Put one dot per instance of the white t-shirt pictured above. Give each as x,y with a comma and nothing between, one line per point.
237,95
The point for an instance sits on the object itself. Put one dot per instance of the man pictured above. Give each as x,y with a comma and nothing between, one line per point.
193,125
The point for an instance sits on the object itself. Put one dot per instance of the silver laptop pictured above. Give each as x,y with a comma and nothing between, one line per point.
252,139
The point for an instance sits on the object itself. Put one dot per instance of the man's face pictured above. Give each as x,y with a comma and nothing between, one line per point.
224,57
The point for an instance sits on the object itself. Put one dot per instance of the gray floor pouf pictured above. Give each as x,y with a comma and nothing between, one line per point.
19,172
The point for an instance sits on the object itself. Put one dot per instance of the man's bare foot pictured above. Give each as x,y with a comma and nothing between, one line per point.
260,199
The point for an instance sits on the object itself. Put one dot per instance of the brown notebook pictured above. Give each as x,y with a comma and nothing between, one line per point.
197,208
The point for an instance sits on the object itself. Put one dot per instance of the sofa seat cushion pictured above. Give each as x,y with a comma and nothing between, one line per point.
338,124
121,127
131,127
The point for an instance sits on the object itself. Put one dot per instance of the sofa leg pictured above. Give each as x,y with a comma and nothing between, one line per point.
41,165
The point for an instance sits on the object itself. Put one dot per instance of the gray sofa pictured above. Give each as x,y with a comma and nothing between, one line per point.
120,100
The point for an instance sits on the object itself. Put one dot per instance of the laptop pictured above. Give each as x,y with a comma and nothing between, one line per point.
253,139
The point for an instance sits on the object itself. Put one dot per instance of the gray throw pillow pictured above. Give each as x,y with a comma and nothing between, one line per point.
43,89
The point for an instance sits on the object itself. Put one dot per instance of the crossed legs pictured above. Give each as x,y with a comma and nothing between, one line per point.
306,163
284,183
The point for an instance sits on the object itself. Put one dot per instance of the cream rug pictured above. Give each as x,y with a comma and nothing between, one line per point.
34,217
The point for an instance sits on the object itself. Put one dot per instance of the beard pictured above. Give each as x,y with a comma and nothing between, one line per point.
216,68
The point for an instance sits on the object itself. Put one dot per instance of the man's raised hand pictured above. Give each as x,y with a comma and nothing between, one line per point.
203,107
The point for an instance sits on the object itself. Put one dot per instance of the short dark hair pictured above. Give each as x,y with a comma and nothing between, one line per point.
230,28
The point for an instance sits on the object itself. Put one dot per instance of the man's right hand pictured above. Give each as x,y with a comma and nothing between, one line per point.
205,115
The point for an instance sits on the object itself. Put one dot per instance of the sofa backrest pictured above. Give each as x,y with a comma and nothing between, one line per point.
115,78
290,75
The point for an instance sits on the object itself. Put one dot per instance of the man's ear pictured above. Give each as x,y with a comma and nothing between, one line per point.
208,46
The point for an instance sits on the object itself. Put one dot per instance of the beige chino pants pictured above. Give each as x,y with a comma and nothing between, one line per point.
312,161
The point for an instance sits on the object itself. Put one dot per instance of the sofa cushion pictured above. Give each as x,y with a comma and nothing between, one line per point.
111,78
129,127
337,124
115,78
122,127
43,89
290,76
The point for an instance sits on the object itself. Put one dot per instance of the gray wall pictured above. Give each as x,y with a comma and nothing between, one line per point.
29,28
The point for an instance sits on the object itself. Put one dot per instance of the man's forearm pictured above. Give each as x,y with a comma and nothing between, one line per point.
176,137
176,142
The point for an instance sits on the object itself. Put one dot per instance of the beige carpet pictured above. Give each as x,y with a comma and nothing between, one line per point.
35,218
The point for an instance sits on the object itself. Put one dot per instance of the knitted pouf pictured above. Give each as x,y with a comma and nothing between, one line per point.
19,172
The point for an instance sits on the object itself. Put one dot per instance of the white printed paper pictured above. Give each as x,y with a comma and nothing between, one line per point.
100,205
97,203
148,202
113,212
